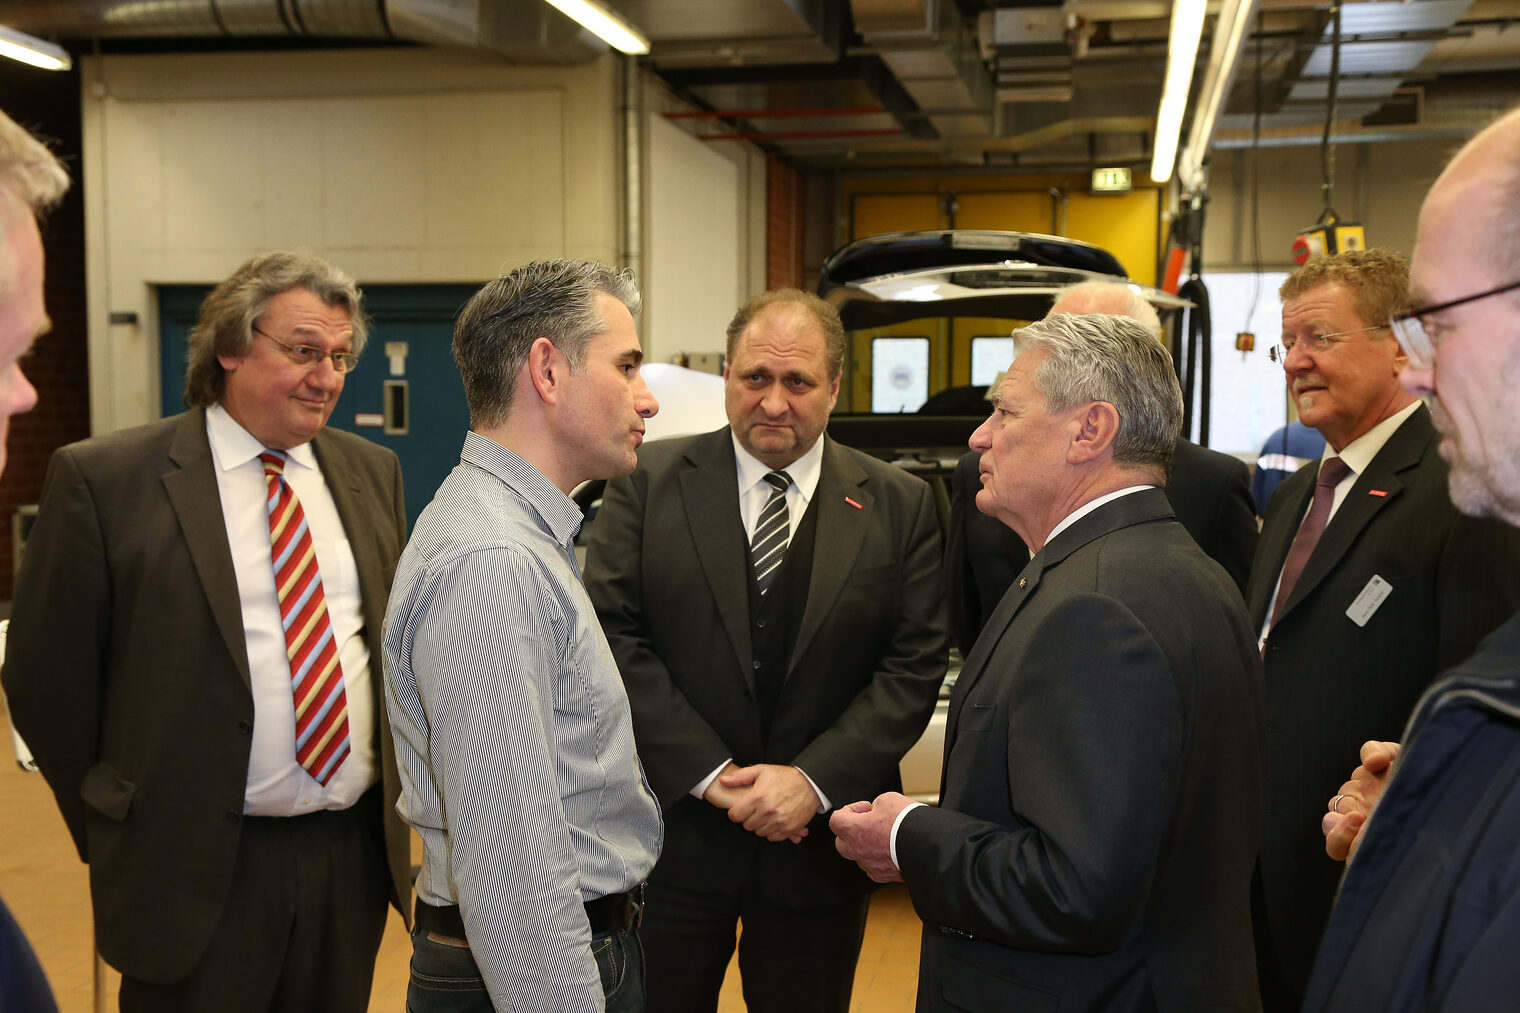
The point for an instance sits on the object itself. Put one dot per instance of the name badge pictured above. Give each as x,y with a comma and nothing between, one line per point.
1366,603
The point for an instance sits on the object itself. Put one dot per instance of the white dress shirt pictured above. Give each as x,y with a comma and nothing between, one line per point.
277,784
1357,456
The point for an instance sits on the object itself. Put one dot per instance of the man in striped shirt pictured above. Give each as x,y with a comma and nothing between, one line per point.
512,729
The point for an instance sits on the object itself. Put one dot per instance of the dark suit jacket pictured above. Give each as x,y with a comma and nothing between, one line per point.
1097,820
127,672
667,570
1332,684
1209,492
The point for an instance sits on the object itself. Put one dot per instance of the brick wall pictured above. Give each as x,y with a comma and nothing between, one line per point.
783,226
47,103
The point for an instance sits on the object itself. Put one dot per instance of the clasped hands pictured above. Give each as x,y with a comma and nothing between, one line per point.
772,800
1353,804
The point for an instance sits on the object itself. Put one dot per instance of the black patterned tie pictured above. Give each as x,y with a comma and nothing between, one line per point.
768,545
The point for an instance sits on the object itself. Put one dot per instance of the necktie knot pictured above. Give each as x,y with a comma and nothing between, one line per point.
274,462
1332,471
778,480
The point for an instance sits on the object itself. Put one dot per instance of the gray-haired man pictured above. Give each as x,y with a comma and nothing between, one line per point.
1076,859
195,670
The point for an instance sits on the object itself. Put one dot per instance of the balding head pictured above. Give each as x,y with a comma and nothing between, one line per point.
1112,298
1467,252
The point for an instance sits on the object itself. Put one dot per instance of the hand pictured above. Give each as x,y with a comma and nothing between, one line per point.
721,795
864,832
1353,804
777,804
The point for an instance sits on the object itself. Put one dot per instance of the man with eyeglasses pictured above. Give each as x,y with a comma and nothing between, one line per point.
1429,912
194,659
1365,584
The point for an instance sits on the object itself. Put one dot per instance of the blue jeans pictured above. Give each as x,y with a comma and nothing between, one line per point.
446,980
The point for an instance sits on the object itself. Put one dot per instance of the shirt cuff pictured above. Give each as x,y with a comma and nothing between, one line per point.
701,789
896,824
823,800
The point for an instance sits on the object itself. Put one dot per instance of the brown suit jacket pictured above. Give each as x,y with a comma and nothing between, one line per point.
127,673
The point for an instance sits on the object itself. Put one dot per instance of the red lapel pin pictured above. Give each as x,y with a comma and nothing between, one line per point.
854,504
1377,492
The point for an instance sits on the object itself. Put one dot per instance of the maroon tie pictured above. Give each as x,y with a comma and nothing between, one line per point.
1330,474
315,674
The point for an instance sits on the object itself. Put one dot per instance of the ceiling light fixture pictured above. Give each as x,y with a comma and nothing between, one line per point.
1181,53
604,24
1230,31
32,50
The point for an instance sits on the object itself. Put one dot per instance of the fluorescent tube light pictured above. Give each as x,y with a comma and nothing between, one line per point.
1230,31
29,49
1181,52
604,24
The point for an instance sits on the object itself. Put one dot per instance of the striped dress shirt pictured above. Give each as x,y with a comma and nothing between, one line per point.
513,736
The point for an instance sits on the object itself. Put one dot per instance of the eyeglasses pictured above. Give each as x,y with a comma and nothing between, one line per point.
306,355
1416,342
1316,343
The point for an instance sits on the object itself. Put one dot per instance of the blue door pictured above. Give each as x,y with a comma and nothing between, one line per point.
425,398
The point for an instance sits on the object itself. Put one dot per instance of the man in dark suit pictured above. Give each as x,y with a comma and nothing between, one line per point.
771,598
1367,582
217,744
1078,859
1209,492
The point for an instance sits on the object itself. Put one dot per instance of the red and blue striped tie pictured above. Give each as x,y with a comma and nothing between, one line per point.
316,676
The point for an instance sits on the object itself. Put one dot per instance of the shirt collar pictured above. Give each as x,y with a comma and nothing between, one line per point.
1089,507
233,446
804,471
1358,454
557,511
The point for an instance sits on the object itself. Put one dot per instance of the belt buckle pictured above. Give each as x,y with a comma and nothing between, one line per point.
636,906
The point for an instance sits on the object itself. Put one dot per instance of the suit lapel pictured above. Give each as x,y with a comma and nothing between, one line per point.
1135,508
709,493
357,513
1402,451
192,490
841,532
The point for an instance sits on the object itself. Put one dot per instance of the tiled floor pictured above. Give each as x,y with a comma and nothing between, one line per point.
47,889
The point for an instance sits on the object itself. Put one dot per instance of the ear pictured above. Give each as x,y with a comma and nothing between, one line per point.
1095,427
547,369
229,362
833,393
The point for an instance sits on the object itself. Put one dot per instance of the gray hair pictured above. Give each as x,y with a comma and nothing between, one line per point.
552,299
1112,297
28,169
227,316
1099,357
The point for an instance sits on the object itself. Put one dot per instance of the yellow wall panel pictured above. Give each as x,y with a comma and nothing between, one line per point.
874,214
1123,224
1011,211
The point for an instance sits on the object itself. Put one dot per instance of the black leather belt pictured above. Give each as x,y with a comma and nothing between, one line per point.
605,914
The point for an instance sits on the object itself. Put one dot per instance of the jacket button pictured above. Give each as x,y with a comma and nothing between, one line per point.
246,727
756,662
760,624
234,814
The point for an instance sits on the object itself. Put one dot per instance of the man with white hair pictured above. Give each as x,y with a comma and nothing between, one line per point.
1077,859
1429,910
1209,492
